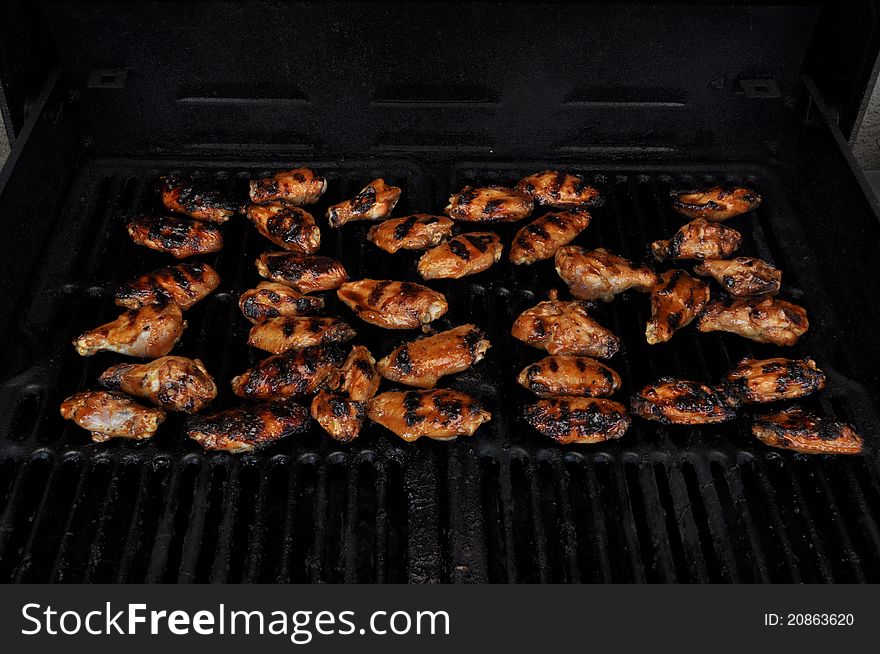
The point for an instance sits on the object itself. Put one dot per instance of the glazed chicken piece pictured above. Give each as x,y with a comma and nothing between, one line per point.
771,380
307,274
679,402
173,383
248,428
564,328
491,204
675,301
341,411
111,415
393,305
424,361
195,198
762,320
179,237
599,275
699,239
148,332
272,300
716,203
297,186
287,226
569,375
184,285
802,431
375,201
417,232
542,237
292,374
742,276
441,414
557,189
466,254
578,420
277,335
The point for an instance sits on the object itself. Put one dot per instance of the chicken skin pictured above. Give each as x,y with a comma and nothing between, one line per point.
716,203
699,239
272,300
802,431
248,428
762,320
557,189
564,328
148,332
542,237
742,276
277,335
675,301
578,420
111,415
287,226
195,198
423,362
417,232
466,254
771,380
393,305
599,275
491,204
173,383
679,402
307,274
441,414
569,375
341,409
179,237
297,186
184,285
292,374
375,201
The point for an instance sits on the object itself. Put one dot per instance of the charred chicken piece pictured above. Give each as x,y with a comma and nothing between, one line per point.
699,239
742,276
771,380
716,203
179,237
292,374
424,361
297,186
287,226
272,300
569,375
173,383
393,305
341,411
375,201
557,189
195,198
277,335
111,415
679,402
466,254
675,301
802,431
248,428
148,332
441,414
184,284
417,232
542,237
569,420
307,274
491,204
599,275
762,320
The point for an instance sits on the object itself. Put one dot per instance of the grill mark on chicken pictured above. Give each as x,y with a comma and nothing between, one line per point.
459,249
373,202
392,304
489,204
770,380
570,420
180,237
416,232
466,254
439,414
272,300
680,402
288,375
248,428
287,226
802,431
194,198
569,375
559,189
307,274
675,302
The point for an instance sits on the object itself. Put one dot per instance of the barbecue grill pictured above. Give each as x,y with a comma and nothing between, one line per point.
107,97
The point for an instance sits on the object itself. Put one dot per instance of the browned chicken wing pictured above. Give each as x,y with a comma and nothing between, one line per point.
292,374
111,415
742,276
148,332
248,428
675,301
417,232
287,226
393,305
491,204
569,375
375,201
569,419
802,431
277,335
439,414
542,237
770,380
179,237
307,274
557,189
272,300
699,239
173,383
195,198
762,320
679,402
716,203
466,254
599,275
184,284
297,186
341,411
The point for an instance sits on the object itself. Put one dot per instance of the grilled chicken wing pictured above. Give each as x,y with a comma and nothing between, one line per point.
424,361
277,335
179,237
569,375
247,428
292,374
491,204
699,239
272,300
763,320
393,305
148,332
742,276
195,198
569,420
184,284
557,189
466,254
564,328
111,415
375,201
173,383
599,275
439,414
417,232
307,274
675,301
542,237
679,402
716,203
802,431
770,380
341,411
297,186
287,226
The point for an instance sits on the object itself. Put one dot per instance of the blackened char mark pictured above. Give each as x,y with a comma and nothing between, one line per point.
411,404
459,249
364,201
377,292
404,228
402,361
481,243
